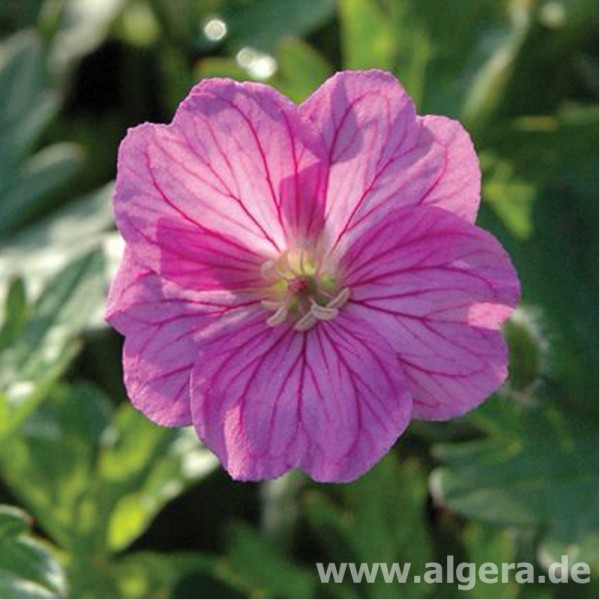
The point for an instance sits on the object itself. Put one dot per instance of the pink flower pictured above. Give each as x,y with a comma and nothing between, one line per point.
299,282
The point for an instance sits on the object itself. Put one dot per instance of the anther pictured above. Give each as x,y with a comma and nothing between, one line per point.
270,304
308,321
323,313
340,300
268,270
278,317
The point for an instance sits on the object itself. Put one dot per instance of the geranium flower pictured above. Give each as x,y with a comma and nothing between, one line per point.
301,282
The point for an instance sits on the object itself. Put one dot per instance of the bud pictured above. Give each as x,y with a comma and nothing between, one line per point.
528,350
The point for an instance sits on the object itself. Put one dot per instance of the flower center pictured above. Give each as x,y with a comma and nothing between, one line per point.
303,289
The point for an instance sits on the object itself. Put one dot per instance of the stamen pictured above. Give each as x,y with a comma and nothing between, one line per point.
340,300
308,321
278,317
323,313
301,290
301,261
268,270
270,304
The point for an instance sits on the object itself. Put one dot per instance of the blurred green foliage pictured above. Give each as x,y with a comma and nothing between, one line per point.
123,508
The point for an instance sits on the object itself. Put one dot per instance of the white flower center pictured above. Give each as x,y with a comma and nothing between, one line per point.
303,289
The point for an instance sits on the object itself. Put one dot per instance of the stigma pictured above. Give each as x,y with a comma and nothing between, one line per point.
301,289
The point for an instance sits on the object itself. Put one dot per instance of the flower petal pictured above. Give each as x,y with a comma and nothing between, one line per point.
438,289
206,198
162,324
332,400
458,185
380,155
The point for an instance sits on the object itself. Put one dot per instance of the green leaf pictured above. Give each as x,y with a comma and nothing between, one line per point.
369,527
262,24
31,362
488,88
96,479
25,105
28,567
49,464
220,67
510,195
83,26
301,69
15,313
415,48
528,353
142,468
41,250
537,468
173,575
27,196
485,544
28,186
368,35
260,569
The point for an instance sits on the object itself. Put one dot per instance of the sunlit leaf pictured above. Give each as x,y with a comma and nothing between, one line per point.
83,27
143,467
40,251
368,37
94,478
508,194
31,362
301,69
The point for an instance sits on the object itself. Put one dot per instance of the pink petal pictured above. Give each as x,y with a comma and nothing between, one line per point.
382,156
458,186
438,289
331,401
162,324
205,199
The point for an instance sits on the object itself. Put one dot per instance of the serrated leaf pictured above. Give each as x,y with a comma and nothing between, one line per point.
537,468
96,479
49,464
